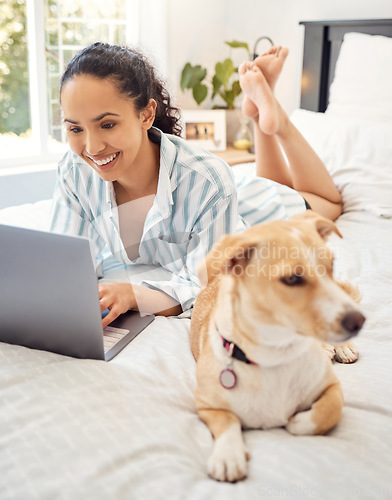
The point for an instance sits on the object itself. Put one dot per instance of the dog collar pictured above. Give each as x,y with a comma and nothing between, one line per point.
228,377
235,352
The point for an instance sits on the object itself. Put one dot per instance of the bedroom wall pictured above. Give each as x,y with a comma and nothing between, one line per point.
26,187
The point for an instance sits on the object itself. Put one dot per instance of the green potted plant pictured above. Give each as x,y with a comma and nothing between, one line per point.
224,83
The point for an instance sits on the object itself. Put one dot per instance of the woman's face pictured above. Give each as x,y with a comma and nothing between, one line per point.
103,127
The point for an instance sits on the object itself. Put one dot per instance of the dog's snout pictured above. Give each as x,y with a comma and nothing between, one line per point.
353,321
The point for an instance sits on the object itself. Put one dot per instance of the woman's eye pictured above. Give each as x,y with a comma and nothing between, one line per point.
292,280
108,125
75,130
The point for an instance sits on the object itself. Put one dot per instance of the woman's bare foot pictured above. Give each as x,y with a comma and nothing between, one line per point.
256,87
271,64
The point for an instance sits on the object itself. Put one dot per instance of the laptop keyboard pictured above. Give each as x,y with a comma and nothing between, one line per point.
112,335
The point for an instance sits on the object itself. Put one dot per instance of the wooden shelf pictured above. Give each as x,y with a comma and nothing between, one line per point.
233,156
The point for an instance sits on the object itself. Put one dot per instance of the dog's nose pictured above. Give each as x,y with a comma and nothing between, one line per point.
352,322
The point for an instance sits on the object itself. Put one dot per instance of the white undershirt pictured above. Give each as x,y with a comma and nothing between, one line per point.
131,217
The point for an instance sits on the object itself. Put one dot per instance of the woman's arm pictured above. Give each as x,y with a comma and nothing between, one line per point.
121,297
69,215
178,293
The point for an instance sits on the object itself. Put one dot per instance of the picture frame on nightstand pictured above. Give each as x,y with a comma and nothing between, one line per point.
205,128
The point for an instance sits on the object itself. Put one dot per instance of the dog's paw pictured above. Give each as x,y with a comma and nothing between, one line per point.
330,351
232,467
346,353
228,461
301,423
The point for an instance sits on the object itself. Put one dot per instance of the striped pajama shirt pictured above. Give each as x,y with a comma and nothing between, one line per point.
198,200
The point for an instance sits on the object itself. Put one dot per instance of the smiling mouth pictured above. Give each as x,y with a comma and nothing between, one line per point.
104,162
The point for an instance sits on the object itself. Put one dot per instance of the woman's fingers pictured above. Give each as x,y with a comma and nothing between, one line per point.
118,298
109,318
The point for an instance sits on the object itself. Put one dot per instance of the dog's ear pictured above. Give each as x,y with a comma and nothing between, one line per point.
230,254
322,225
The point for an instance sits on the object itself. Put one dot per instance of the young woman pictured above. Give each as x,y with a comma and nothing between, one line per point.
139,192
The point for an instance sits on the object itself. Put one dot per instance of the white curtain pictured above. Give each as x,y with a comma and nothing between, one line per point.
149,31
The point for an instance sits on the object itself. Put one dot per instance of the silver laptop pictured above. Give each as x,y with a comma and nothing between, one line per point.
49,297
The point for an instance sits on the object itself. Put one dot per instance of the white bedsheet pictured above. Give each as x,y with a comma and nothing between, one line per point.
83,429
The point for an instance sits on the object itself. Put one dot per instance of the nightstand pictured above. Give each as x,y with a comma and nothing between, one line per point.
232,156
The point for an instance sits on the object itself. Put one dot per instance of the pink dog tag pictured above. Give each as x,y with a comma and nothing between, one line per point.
228,378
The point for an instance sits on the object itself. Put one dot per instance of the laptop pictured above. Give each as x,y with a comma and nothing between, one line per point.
49,297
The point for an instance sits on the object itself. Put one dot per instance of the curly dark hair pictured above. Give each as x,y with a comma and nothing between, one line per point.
133,75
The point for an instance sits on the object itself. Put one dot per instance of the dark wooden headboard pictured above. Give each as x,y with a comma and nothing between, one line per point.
321,49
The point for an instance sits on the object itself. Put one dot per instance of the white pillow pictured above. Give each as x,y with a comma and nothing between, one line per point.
362,84
31,215
358,155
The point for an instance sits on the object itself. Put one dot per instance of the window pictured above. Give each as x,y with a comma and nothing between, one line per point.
37,39
14,81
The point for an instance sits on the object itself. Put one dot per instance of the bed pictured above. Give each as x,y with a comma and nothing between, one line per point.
128,429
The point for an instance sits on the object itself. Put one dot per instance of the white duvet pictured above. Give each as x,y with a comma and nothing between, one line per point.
128,429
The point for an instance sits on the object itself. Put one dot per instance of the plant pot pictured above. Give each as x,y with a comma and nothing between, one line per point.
233,121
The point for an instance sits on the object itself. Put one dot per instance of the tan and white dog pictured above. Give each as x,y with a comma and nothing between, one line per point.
257,329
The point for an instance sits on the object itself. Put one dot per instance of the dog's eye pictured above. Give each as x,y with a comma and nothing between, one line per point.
292,280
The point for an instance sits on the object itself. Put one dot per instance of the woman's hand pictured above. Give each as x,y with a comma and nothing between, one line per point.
118,298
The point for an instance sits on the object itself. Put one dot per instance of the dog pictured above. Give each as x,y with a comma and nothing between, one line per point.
269,302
